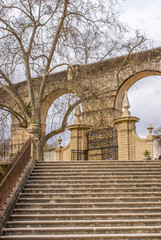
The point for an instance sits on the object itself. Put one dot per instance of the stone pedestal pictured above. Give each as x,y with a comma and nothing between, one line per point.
33,129
78,139
130,145
126,128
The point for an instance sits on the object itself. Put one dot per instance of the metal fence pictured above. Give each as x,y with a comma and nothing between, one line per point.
103,153
78,155
101,145
14,173
9,149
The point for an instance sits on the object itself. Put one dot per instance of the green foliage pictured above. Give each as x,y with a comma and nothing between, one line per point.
33,121
3,169
146,153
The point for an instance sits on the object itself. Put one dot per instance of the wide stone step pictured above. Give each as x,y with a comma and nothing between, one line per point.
92,210
98,163
93,182
129,236
83,223
96,178
120,205
99,216
98,175
92,190
96,172
96,185
89,200
53,199
91,195
100,169
97,168
81,230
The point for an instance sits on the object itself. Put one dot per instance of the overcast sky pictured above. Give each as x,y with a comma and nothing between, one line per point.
144,15
145,95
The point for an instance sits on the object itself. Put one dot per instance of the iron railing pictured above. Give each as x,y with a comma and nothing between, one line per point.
79,155
9,149
14,173
103,153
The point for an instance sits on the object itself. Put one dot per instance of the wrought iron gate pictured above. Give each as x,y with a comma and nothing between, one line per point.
102,144
79,155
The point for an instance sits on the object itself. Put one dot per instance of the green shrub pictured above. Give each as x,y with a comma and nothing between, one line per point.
146,153
3,170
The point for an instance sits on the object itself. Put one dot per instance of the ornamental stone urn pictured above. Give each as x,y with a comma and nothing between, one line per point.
146,155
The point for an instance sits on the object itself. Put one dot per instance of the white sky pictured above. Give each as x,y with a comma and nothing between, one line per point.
145,95
144,15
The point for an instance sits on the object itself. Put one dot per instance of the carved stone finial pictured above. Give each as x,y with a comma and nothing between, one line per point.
33,129
78,114
59,140
126,103
150,128
126,106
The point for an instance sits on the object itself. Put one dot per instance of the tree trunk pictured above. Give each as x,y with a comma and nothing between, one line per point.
40,152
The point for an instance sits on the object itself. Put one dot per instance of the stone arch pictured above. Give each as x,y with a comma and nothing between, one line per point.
128,83
49,100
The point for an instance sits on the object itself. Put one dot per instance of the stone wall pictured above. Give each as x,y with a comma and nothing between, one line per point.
97,84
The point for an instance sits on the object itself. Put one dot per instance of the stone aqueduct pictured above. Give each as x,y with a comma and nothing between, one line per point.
97,84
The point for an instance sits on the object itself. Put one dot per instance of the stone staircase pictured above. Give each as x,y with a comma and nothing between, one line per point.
89,200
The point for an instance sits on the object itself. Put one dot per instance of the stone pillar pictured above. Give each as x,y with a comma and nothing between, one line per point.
78,132
33,129
78,140
125,127
149,141
130,145
58,150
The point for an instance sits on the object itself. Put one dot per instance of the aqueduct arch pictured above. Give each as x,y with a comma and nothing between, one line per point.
96,84
129,82
48,101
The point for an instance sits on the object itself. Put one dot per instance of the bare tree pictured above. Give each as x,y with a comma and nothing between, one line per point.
56,115
5,121
38,37
157,131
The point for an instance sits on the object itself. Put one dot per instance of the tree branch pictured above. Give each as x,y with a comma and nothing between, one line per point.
18,116
11,30
125,59
14,94
64,123
57,35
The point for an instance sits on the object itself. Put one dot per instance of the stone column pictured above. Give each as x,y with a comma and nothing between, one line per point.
149,141
125,127
58,150
78,140
78,132
33,129
131,146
